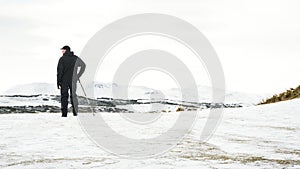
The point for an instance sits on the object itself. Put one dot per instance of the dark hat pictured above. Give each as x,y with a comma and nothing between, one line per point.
66,48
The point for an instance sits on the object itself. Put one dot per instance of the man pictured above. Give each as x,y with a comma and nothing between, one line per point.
67,77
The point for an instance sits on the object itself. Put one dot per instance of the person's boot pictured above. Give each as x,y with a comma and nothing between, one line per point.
75,113
75,110
64,113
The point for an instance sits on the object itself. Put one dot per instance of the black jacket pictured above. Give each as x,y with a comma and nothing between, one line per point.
67,65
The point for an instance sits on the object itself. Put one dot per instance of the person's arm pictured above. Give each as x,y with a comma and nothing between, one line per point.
82,66
59,72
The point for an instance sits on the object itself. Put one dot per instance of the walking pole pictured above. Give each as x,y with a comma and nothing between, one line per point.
86,98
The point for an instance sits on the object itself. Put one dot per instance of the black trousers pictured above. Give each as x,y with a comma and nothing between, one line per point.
64,91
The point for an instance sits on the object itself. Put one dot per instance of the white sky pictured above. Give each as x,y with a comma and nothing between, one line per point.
257,41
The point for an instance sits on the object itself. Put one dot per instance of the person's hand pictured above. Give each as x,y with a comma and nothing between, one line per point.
58,85
78,78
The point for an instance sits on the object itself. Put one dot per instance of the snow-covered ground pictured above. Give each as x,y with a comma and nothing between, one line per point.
266,136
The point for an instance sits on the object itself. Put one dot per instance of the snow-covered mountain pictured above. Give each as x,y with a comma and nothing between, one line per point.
176,94
205,95
104,90
33,89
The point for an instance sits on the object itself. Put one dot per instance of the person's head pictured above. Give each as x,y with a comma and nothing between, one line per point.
65,48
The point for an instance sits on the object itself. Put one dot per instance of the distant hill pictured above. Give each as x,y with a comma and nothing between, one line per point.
289,94
104,90
33,89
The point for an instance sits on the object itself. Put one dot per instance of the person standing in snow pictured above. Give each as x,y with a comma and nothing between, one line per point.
67,78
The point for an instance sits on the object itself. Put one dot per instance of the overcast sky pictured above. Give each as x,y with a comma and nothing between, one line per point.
257,41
